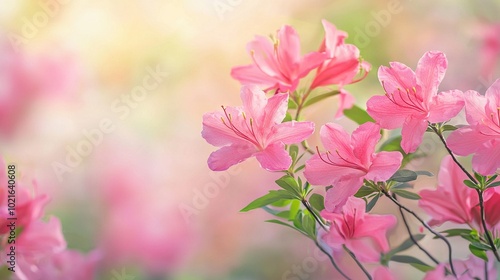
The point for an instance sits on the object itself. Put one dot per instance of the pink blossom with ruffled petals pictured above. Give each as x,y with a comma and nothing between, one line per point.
277,65
253,130
362,233
342,65
482,136
348,161
454,202
38,241
28,207
412,100
469,269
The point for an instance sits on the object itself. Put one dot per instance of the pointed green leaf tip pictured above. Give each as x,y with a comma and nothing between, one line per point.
358,115
271,197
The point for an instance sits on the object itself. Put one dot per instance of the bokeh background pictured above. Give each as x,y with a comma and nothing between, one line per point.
101,103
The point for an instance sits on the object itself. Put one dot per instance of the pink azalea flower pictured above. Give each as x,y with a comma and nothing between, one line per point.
253,130
342,65
348,161
28,207
454,202
38,241
362,233
469,269
68,264
482,136
277,65
411,99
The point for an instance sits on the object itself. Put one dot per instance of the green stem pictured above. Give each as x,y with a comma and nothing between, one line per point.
485,227
437,234
479,192
332,261
316,217
357,262
413,238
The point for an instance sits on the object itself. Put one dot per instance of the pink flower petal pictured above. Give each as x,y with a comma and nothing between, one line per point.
445,106
310,62
364,139
274,157
336,139
452,201
383,273
364,250
384,165
474,107
375,227
486,161
397,77
340,69
252,75
228,156
386,113
466,140
254,102
346,101
262,52
320,173
216,133
413,133
430,72
293,132
333,38
345,187
288,51
275,110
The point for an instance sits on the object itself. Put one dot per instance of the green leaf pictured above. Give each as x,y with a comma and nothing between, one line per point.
294,152
400,186
309,225
470,184
494,184
358,115
478,252
292,104
457,232
317,201
321,97
404,175
288,117
424,172
364,191
299,168
408,243
391,144
281,203
448,127
491,179
372,203
271,197
407,194
416,263
294,209
288,183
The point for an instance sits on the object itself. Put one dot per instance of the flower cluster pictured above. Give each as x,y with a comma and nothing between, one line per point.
354,168
34,248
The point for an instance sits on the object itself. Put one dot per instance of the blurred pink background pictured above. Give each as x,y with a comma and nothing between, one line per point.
101,104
